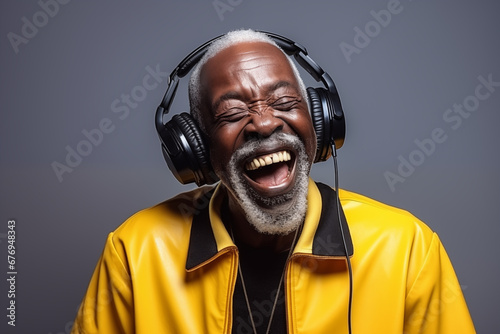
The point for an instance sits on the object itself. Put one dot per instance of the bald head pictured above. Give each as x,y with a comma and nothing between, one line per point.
254,42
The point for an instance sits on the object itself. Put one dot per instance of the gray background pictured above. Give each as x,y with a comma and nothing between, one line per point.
64,79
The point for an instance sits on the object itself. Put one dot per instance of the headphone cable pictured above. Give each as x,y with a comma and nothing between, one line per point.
349,267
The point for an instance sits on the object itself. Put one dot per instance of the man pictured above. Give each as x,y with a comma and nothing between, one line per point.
262,253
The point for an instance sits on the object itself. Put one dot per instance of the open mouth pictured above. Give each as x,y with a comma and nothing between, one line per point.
272,172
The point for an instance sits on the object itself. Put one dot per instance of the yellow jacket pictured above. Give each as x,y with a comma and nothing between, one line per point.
164,272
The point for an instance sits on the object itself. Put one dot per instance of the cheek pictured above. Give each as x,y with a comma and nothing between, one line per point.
310,142
303,127
222,144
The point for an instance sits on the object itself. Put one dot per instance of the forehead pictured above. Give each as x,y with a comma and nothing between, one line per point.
246,53
248,66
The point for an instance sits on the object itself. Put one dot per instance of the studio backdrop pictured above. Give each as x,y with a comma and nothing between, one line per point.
80,82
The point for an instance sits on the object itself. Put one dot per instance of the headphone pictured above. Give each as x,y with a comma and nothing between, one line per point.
183,144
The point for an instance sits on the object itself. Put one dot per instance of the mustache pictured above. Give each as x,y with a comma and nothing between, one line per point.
276,139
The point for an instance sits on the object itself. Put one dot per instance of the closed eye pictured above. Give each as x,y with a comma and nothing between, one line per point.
285,104
231,115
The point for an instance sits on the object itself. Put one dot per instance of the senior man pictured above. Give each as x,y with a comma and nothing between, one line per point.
266,255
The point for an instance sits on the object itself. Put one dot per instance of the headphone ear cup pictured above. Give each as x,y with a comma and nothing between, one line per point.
321,124
185,151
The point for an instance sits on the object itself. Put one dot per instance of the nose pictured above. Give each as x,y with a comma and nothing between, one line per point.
263,124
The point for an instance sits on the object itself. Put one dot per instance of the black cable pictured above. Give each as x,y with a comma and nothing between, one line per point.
349,267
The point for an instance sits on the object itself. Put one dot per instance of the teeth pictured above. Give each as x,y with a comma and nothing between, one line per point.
268,159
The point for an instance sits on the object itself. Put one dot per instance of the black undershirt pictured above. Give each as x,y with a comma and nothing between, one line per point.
262,270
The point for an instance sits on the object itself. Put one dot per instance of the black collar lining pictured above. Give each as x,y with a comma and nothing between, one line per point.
202,243
327,239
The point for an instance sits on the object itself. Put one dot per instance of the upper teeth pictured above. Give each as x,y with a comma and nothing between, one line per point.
268,159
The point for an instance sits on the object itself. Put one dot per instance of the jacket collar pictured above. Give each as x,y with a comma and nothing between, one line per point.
321,234
331,234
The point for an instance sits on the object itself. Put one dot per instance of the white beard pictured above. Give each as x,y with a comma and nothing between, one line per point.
288,210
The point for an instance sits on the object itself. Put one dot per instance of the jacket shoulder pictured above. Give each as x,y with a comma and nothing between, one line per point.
350,198
172,217
368,214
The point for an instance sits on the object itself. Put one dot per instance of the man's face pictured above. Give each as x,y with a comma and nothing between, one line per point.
252,106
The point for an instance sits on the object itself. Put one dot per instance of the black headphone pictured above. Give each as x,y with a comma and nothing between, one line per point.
183,143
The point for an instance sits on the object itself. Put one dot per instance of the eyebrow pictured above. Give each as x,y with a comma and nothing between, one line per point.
281,84
232,95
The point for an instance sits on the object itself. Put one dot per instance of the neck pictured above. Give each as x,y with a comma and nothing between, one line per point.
244,232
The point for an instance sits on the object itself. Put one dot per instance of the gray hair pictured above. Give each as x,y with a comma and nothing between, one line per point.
230,39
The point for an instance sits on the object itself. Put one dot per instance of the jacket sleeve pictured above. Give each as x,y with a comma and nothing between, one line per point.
108,303
435,303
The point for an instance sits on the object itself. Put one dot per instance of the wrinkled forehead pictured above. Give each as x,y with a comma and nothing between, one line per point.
234,65
248,51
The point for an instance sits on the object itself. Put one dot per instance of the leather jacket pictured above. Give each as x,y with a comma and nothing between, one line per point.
172,268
